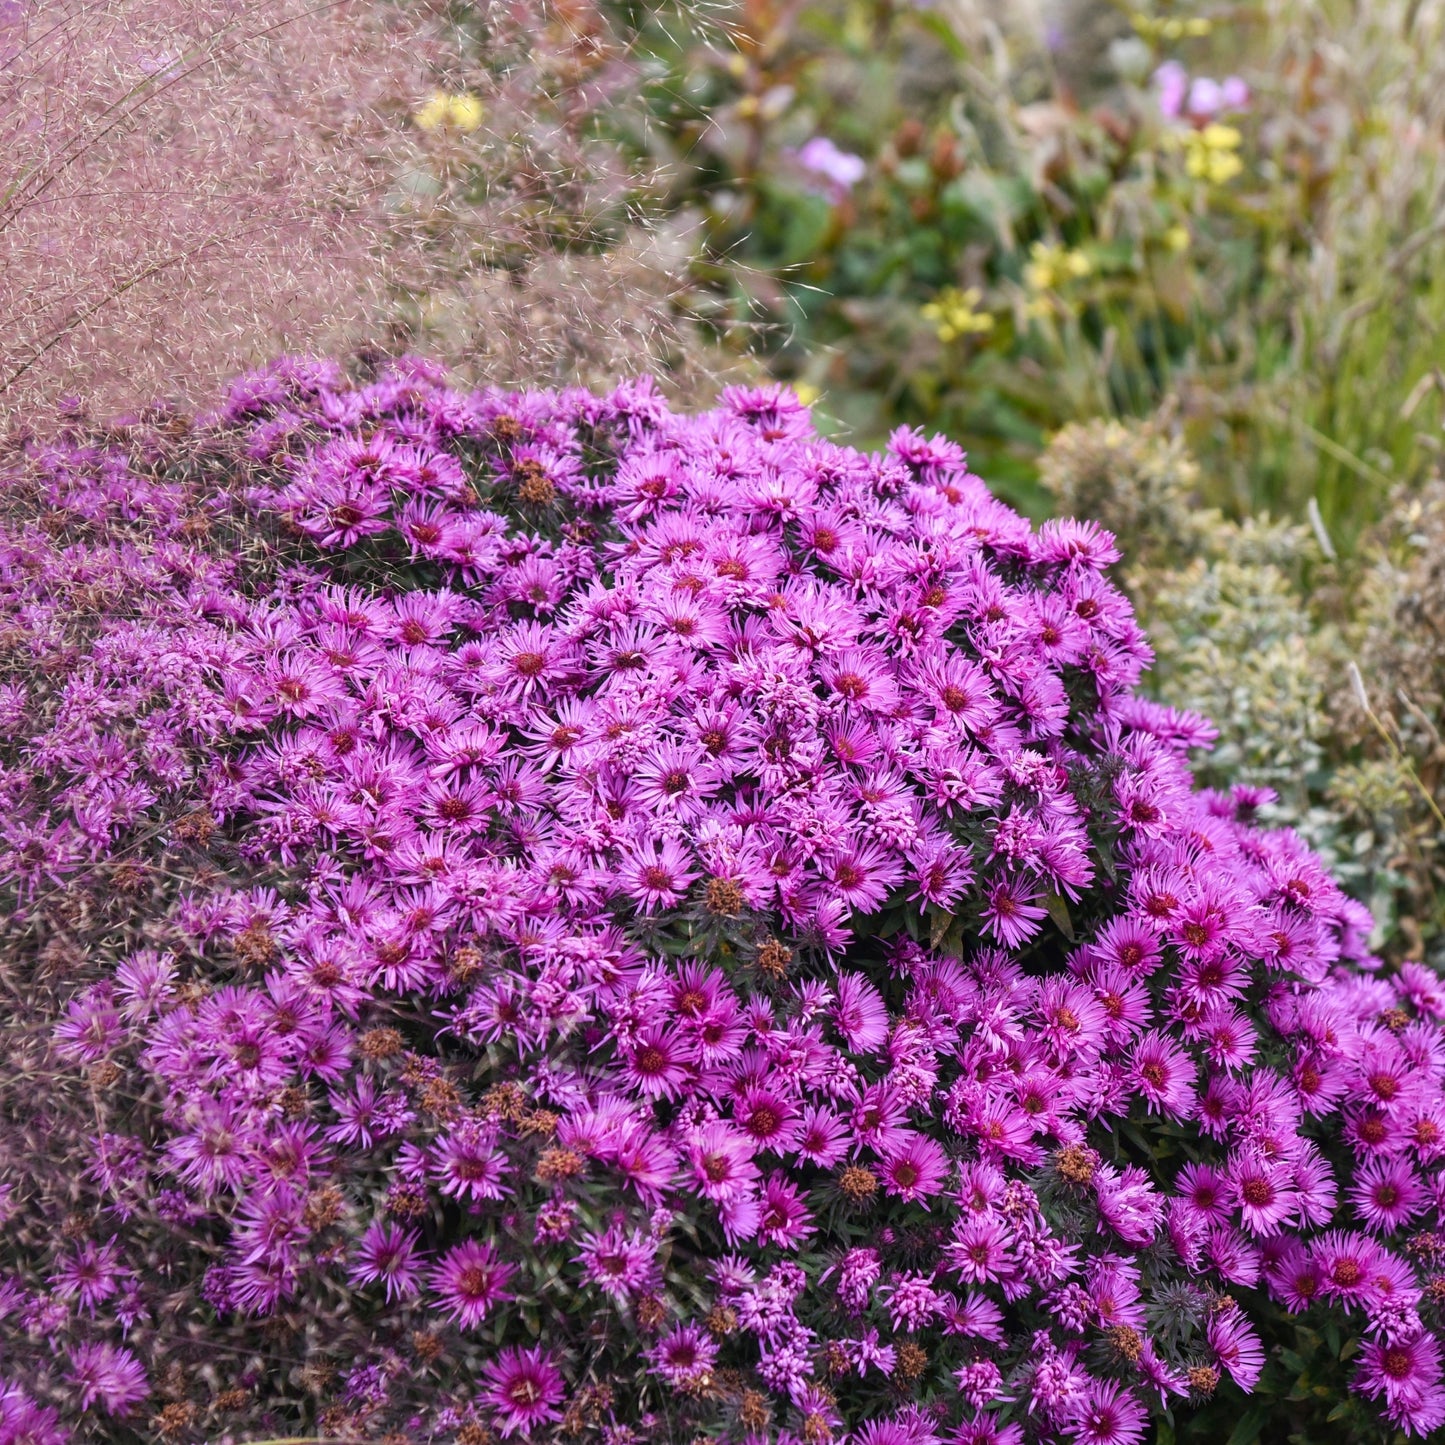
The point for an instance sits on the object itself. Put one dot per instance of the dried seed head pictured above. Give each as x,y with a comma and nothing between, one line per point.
534,487
440,1098
1125,1342
198,827
858,1184
504,1101
555,1165
466,964
405,1200
911,1362
323,1207
175,1419
540,1121
725,899
255,946
774,958
379,1044
1076,1165
754,1411
1203,1379
426,1346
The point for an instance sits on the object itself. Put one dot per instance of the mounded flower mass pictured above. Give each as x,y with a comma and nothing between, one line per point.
568,919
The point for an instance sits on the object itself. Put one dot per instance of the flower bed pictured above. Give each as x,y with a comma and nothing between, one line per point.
650,926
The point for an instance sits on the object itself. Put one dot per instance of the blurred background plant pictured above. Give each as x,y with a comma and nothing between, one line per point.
546,257
996,219
190,188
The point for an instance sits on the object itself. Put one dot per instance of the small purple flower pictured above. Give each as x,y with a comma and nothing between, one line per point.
837,171
523,1389
469,1282
387,1254
107,1376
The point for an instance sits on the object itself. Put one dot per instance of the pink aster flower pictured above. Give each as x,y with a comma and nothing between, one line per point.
622,1264
1408,1376
979,1252
1261,1192
469,1281
1106,1413
107,1376
684,1356
1387,1194
1236,1347
523,1388
917,1170
1011,915
784,1219
387,1254
1164,1074
721,1161
657,875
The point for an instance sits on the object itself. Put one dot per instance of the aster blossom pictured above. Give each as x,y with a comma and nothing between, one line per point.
702,908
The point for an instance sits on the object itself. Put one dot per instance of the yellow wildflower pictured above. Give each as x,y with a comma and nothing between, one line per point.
1050,266
806,392
1176,238
1209,154
953,313
457,112
1176,28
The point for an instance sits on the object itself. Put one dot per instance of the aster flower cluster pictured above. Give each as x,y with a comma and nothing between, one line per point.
660,926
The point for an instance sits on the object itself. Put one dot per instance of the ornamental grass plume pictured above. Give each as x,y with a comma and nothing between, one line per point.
602,921
187,187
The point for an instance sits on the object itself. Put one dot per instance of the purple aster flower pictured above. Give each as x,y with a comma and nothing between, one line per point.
469,1282
684,1356
107,1376
523,1389
387,1254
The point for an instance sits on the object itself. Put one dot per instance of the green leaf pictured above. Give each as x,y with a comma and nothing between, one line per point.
1059,912
938,928
1249,1427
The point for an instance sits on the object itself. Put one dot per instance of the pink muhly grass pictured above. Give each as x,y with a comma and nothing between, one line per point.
192,183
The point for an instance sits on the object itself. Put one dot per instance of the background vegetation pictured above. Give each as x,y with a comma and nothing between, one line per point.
1177,267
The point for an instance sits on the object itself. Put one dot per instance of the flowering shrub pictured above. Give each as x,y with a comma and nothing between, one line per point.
663,926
